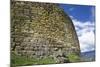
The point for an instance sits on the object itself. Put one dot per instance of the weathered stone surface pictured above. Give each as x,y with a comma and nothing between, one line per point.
42,30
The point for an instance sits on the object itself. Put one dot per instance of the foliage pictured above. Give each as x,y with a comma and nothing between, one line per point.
73,57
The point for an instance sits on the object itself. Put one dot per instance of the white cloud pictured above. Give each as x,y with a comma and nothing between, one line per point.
85,32
87,41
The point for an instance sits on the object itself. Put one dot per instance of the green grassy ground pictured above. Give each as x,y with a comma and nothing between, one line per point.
74,58
22,60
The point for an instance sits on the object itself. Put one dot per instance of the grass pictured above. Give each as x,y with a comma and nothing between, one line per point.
22,60
73,57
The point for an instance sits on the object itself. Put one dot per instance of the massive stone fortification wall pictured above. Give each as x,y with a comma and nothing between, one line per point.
41,30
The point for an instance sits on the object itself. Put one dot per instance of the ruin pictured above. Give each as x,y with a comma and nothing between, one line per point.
42,30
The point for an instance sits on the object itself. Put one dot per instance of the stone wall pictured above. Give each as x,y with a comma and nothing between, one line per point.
42,30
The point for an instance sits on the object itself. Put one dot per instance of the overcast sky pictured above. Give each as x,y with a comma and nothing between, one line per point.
83,18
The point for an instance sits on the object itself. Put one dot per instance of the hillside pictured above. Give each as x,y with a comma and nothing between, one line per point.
88,56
